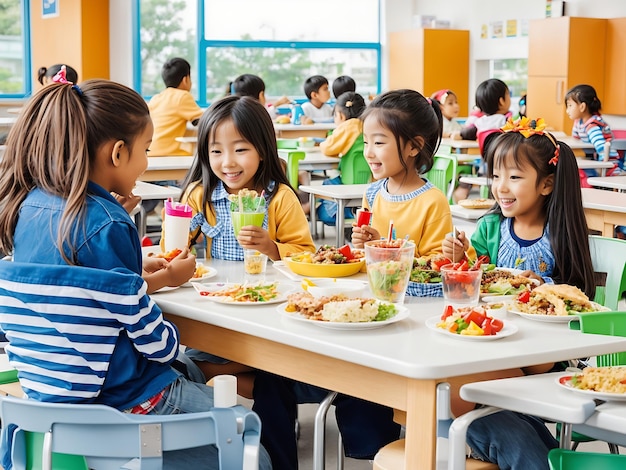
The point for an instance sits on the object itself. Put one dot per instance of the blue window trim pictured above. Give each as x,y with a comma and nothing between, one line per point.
26,55
203,44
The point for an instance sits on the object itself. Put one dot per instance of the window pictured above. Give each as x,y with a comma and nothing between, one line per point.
513,72
15,72
275,41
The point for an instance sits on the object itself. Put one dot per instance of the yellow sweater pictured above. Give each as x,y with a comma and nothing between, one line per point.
342,139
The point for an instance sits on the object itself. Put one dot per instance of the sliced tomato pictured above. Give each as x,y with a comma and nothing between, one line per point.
476,316
449,310
484,259
524,297
439,262
496,325
346,251
463,266
487,327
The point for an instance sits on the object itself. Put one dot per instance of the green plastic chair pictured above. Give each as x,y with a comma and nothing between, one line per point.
353,166
443,174
609,257
561,459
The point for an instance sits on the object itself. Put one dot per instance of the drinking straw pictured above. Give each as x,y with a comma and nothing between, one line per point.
390,235
404,240
240,203
258,204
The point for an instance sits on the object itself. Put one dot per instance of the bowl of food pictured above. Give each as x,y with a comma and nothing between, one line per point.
330,287
328,261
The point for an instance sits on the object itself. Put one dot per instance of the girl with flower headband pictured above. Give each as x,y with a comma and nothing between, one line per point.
69,149
450,108
537,225
347,137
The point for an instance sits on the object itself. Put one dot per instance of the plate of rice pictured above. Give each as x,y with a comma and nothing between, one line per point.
602,383
341,313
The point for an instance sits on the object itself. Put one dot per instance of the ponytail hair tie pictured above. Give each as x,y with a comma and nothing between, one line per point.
61,76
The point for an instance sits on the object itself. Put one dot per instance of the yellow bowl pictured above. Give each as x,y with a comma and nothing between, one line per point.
324,270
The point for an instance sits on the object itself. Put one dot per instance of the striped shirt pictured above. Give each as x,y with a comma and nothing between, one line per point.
594,131
85,335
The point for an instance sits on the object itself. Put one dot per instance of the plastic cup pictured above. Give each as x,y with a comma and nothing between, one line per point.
242,219
254,262
363,217
177,223
389,266
461,288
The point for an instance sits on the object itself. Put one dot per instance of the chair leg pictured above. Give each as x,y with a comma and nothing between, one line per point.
613,448
340,454
319,451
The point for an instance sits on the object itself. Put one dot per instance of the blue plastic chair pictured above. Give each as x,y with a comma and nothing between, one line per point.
108,438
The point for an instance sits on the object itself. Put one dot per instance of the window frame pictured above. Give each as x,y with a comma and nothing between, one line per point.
26,55
204,44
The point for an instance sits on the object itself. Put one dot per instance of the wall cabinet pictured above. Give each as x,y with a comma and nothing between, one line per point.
564,52
428,60
614,98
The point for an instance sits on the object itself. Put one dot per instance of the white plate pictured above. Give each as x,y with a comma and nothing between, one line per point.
166,289
555,318
565,382
216,286
508,329
497,298
211,272
403,313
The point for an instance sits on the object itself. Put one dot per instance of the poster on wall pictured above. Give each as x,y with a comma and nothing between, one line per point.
511,28
49,8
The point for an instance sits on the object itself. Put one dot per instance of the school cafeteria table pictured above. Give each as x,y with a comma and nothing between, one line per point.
612,182
345,195
471,146
293,131
604,210
467,214
167,168
395,365
148,191
314,160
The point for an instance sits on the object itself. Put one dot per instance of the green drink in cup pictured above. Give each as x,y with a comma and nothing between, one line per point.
389,264
246,208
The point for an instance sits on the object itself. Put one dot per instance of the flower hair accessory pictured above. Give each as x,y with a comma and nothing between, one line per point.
61,76
348,104
528,127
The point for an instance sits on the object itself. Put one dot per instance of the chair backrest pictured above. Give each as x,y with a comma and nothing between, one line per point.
608,256
353,166
288,144
293,158
109,438
443,174
604,323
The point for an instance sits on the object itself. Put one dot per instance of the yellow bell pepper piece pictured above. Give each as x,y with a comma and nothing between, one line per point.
473,330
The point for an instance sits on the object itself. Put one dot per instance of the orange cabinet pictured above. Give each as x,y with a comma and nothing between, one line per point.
614,98
564,52
428,60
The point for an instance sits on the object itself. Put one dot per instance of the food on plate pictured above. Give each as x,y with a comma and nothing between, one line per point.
472,321
328,254
259,292
554,299
200,271
504,282
246,200
388,279
283,120
339,308
601,379
476,203
427,269
169,255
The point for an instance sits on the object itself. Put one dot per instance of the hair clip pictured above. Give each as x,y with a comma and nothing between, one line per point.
61,77
528,127
430,102
348,104
441,96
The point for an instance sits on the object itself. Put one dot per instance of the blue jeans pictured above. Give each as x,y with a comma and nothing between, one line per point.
327,210
185,396
512,441
365,427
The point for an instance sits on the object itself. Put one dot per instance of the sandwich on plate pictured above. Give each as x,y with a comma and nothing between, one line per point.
555,299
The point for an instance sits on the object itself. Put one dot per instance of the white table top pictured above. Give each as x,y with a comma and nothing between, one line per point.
606,423
586,164
404,348
337,191
8,120
468,214
573,143
459,144
305,127
149,191
604,200
614,182
170,163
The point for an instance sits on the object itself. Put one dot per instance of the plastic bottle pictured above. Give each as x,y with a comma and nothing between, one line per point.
296,115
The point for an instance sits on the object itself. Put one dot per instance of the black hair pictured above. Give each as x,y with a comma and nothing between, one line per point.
248,85
408,115
313,84
522,105
254,124
174,70
70,73
585,94
563,206
489,93
350,104
342,84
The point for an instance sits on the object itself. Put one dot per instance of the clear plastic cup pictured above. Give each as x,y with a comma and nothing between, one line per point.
254,261
461,288
242,219
177,223
389,266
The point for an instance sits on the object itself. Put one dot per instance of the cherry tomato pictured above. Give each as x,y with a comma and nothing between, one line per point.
524,297
496,325
346,251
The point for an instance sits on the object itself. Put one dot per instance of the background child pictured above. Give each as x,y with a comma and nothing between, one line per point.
237,150
402,131
347,137
44,75
536,227
583,107
173,108
317,108
494,100
58,171
450,108
343,84
254,86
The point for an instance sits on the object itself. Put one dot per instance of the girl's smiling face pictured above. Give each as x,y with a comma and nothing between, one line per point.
381,150
233,159
516,189
574,110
